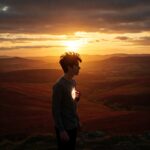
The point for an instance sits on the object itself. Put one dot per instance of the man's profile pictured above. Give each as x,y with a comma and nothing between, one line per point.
64,102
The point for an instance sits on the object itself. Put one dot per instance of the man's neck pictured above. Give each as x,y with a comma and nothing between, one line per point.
68,76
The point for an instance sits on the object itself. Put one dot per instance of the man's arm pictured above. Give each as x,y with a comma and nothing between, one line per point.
56,111
56,106
79,123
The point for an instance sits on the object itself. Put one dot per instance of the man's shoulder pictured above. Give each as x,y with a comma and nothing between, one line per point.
59,83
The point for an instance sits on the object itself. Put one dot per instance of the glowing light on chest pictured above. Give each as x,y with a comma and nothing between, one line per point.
73,93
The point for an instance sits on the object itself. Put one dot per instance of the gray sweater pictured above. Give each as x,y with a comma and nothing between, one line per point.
64,109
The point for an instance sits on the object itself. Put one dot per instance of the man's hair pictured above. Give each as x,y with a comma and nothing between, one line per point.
69,59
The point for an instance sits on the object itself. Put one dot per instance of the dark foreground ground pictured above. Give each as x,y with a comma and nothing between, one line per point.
96,140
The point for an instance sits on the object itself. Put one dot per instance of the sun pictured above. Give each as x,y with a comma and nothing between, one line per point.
74,45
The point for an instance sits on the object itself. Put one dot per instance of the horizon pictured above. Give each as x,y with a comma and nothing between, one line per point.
88,27
113,54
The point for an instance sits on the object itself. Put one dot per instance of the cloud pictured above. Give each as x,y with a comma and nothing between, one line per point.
78,4
25,40
68,16
27,47
145,41
123,38
94,41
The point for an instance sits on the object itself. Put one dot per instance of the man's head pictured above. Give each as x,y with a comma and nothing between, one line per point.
70,62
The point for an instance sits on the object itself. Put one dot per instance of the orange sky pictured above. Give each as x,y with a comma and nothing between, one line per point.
82,42
40,28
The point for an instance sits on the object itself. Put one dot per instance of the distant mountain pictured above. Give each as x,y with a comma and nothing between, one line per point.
17,63
122,66
115,63
5,56
112,60
17,60
128,59
84,57
49,59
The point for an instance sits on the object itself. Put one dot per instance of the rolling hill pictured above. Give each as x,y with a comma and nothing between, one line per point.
18,63
30,76
115,91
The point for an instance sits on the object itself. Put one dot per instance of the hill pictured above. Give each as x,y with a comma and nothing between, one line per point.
128,66
30,76
17,63
114,92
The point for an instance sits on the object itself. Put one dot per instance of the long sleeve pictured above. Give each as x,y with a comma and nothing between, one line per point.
77,115
56,106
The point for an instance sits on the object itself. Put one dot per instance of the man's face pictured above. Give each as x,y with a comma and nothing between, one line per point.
75,69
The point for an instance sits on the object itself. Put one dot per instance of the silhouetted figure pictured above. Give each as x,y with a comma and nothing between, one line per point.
64,102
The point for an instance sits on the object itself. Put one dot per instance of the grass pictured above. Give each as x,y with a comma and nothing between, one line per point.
86,141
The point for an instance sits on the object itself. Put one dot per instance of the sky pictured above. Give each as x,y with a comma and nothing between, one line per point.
52,27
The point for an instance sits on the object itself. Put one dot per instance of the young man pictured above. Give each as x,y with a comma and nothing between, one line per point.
64,102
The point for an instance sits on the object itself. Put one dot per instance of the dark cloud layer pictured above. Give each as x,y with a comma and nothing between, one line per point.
123,38
145,41
67,16
26,40
27,47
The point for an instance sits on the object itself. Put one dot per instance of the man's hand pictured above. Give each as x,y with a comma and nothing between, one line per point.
64,136
78,95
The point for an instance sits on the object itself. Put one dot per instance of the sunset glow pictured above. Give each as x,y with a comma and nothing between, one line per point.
74,45
96,30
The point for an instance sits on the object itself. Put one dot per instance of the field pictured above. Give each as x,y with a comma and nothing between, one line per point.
115,99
